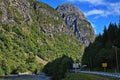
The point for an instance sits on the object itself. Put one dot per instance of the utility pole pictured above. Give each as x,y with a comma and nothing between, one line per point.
117,65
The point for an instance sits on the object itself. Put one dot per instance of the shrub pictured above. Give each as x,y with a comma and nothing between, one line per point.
58,67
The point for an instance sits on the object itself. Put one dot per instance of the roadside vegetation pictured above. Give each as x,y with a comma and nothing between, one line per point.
58,67
104,49
98,52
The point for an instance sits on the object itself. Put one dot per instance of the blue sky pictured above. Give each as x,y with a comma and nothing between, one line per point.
99,12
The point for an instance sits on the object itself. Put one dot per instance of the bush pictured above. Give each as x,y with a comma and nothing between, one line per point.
1,72
58,67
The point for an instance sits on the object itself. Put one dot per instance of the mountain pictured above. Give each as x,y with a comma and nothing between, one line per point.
30,30
75,19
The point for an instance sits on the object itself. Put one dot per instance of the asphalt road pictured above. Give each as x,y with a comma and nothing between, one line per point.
26,77
115,75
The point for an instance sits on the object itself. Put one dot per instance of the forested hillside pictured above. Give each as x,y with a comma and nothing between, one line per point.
30,29
105,49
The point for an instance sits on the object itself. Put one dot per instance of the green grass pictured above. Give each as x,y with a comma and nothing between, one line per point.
82,76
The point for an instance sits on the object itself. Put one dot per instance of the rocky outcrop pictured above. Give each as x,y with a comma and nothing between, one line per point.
23,8
16,7
75,19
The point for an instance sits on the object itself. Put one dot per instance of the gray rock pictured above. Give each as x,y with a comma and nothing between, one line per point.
75,19
21,7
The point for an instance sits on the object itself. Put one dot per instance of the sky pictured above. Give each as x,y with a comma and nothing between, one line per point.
98,12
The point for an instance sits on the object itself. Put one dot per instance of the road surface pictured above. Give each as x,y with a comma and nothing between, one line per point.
26,77
115,75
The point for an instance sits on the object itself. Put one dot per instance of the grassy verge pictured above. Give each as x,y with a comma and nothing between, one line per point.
82,76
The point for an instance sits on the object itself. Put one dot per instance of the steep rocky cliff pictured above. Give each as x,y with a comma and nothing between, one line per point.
75,19
29,29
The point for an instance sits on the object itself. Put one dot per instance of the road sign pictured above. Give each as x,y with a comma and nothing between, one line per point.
104,65
75,65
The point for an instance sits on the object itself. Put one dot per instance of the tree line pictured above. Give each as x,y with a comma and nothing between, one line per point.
105,49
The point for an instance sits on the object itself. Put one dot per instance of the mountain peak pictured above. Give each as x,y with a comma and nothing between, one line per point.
76,20
70,9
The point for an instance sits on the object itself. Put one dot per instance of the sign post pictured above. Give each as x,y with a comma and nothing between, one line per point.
104,65
75,66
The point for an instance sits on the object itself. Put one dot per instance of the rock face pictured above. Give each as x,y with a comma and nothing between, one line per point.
16,7
76,20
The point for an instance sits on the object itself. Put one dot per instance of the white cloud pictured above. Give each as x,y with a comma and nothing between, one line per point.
114,8
104,13
94,12
110,8
95,2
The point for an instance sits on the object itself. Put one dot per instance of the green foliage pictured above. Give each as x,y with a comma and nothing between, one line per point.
58,67
1,72
21,69
102,49
21,41
81,76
